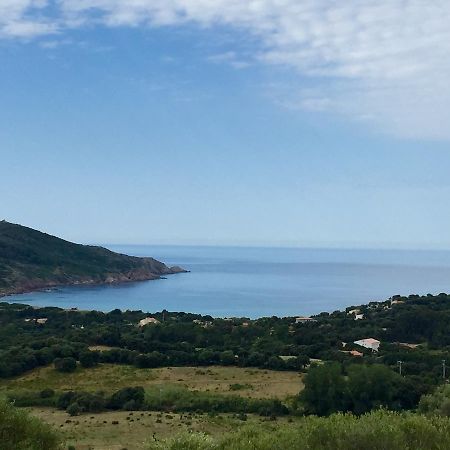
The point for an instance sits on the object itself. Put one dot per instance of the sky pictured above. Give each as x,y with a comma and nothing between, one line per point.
227,122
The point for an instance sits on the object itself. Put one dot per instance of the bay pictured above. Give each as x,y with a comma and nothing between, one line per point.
255,281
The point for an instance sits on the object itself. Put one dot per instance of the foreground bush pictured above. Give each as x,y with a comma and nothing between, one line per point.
380,430
20,431
436,403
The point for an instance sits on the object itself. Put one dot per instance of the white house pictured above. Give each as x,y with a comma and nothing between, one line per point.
370,343
359,316
304,319
148,321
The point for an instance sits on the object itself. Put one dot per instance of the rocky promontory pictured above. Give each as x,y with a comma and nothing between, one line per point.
31,260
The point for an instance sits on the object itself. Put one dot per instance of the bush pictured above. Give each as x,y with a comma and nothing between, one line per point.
174,398
86,401
88,358
20,431
122,398
380,430
73,409
437,403
65,365
47,393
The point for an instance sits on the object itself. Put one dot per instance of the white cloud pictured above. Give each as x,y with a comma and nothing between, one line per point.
385,61
23,19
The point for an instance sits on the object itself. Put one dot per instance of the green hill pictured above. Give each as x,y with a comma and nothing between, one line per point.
31,260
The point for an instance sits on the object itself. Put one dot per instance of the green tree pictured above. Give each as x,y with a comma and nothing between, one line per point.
65,364
324,390
88,358
20,431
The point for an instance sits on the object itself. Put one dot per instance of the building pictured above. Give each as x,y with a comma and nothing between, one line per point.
397,302
369,343
352,352
359,316
148,321
39,321
304,319
407,345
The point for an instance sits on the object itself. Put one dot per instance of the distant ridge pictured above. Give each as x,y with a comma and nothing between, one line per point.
31,260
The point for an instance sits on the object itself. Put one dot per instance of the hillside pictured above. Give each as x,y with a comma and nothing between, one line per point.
31,260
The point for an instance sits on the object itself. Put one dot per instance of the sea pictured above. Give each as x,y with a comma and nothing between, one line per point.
255,282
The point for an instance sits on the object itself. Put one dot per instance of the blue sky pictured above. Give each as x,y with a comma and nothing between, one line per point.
227,123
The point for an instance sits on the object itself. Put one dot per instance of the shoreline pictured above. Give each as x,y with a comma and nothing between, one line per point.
115,279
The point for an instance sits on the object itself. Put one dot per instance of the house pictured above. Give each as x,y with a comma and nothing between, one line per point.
148,321
369,343
359,316
407,345
353,311
397,302
207,324
304,319
352,352
40,321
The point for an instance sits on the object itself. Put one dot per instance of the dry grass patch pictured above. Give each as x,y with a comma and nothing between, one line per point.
254,383
122,429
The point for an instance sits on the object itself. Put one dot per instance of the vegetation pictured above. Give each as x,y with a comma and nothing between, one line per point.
86,363
413,330
359,390
20,431
437,403
117,430
254,383
170,398
31,260
380,430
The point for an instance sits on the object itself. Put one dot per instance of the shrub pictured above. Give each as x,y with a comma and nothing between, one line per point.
73,409
65,364
20,431
122,397
88,358
47,393
380,430
436,403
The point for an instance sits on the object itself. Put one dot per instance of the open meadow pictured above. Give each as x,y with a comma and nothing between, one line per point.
120,430
248,382
117,430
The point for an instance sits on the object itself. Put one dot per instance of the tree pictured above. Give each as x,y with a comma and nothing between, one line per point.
437,403
88,358
227,358
324,390
20,431
370,387
65,364
73,409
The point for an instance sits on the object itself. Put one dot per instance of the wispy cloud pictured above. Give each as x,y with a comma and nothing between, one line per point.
382,61
230,58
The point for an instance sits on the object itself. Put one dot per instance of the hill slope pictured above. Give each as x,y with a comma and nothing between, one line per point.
31,260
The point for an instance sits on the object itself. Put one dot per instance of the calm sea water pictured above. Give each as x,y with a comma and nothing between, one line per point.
254,282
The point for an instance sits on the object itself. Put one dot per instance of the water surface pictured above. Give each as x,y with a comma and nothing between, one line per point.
254,282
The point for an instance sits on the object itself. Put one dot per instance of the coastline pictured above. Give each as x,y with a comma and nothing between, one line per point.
40,285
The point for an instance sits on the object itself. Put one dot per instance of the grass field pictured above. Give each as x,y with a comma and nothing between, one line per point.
254,383
131,429
97,431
